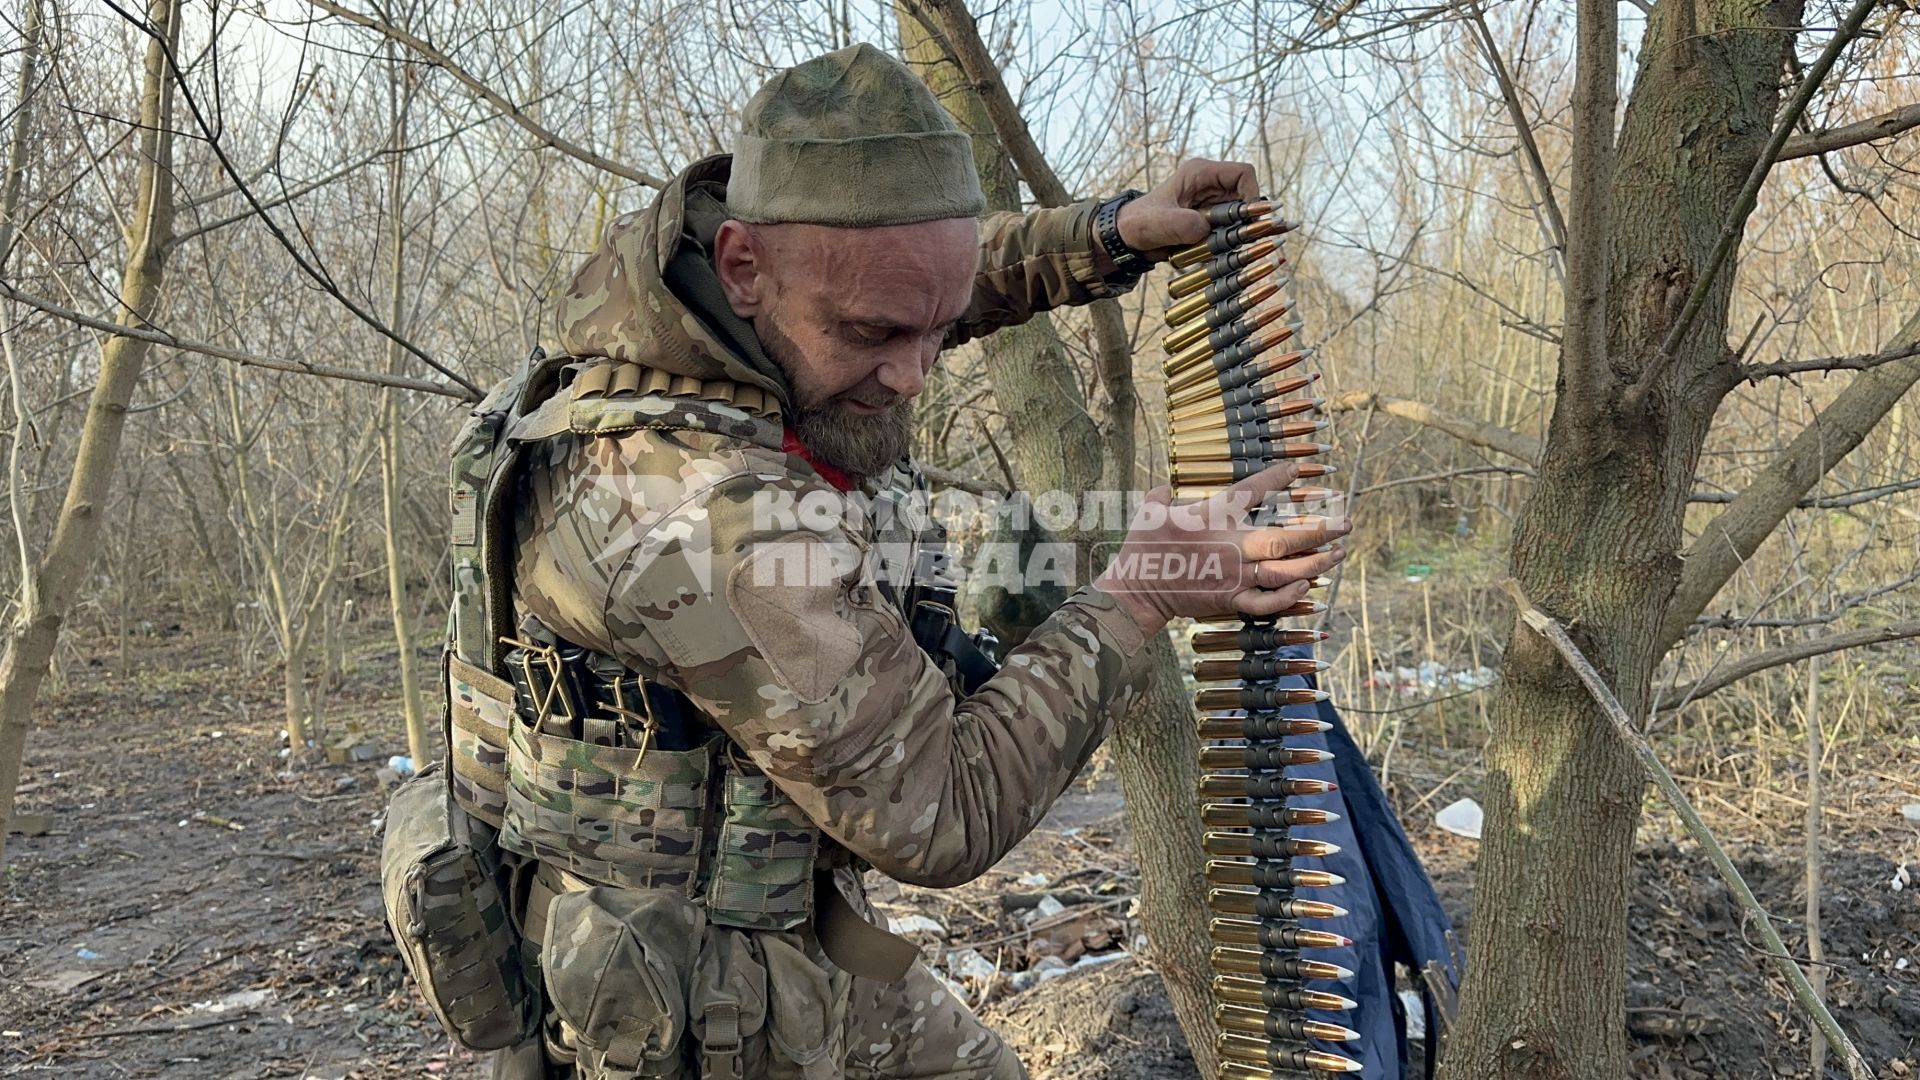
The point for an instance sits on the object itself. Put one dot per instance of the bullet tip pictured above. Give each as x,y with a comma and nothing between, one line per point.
1338,911
1331,816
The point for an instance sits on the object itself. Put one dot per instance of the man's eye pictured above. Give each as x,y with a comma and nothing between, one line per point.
867,335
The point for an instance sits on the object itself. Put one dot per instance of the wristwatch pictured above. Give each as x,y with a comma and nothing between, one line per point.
1128,264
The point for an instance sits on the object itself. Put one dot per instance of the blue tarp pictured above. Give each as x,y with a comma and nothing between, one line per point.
1393,914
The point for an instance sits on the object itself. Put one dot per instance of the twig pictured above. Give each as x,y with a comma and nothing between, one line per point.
1819,502
1530,150
486,93
220,352
1816,953
1508,470
1855,362
166,1029
1492,436
1787,654
319,276
1669,788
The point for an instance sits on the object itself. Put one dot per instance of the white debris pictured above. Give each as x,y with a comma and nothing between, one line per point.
1911,812
1900,964
239,999
1431,676
1032,881
1048,907
1901,878
1050,967
1416,1014
969,964
916,924
1462,818
1096,959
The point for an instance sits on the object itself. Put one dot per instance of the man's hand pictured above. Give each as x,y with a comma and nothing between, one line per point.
1167,218
1202,560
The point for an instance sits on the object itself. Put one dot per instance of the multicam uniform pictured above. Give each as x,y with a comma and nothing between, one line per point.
713,889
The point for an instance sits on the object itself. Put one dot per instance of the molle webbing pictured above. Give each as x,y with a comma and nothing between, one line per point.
613,397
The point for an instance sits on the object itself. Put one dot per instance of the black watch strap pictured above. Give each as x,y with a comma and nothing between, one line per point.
1128,264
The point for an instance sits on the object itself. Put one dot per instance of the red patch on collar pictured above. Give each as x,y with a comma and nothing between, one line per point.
839,478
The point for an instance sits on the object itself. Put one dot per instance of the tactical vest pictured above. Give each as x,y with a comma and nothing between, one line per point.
585,765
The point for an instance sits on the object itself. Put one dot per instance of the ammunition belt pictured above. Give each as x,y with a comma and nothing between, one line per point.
1231,345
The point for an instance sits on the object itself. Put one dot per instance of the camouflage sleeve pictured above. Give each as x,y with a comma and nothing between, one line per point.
781,634
1031,263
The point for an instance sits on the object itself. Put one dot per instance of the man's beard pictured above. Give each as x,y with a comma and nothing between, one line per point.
831,432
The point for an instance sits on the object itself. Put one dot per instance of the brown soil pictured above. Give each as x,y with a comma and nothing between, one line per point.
125,928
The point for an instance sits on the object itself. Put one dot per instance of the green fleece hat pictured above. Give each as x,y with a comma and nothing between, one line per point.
851,139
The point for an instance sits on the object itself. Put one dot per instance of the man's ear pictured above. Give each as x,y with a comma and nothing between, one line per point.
740,260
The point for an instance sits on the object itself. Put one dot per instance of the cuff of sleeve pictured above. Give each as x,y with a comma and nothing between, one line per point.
1080,251
1116,629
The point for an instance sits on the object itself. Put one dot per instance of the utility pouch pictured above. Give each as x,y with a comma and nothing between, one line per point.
627,816
438,876
806,1014
763,866
618,966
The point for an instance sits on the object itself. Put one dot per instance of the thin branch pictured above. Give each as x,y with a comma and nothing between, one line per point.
953,479
299,367
1750,193
953,26
1491,436
1508,470
1846,604
1530,150
1855,362
492,97
319,277
1787,654
1819,502
1669,788
1885,126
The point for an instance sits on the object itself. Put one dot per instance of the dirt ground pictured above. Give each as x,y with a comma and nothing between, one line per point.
193,911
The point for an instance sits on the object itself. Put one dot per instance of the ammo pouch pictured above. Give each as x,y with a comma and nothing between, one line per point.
439,878
648,987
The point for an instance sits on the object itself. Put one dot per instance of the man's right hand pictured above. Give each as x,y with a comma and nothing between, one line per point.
1202,560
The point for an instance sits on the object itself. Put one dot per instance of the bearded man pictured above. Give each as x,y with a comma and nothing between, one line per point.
724,716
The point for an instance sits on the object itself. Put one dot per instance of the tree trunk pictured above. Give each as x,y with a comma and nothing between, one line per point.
1597,549
392,448
299,708
1058,446
31,641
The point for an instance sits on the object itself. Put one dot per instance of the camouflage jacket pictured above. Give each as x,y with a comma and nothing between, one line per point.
653,542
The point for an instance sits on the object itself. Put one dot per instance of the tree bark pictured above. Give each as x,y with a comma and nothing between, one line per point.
1596,546
30,642
1057,445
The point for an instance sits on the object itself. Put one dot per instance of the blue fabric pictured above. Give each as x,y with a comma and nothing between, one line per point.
1393,914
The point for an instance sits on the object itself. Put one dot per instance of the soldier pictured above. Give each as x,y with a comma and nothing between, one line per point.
724,714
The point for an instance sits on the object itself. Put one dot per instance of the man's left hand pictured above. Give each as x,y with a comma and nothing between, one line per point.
1166,219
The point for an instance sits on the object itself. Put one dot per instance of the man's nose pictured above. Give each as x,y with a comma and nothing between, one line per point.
904,371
